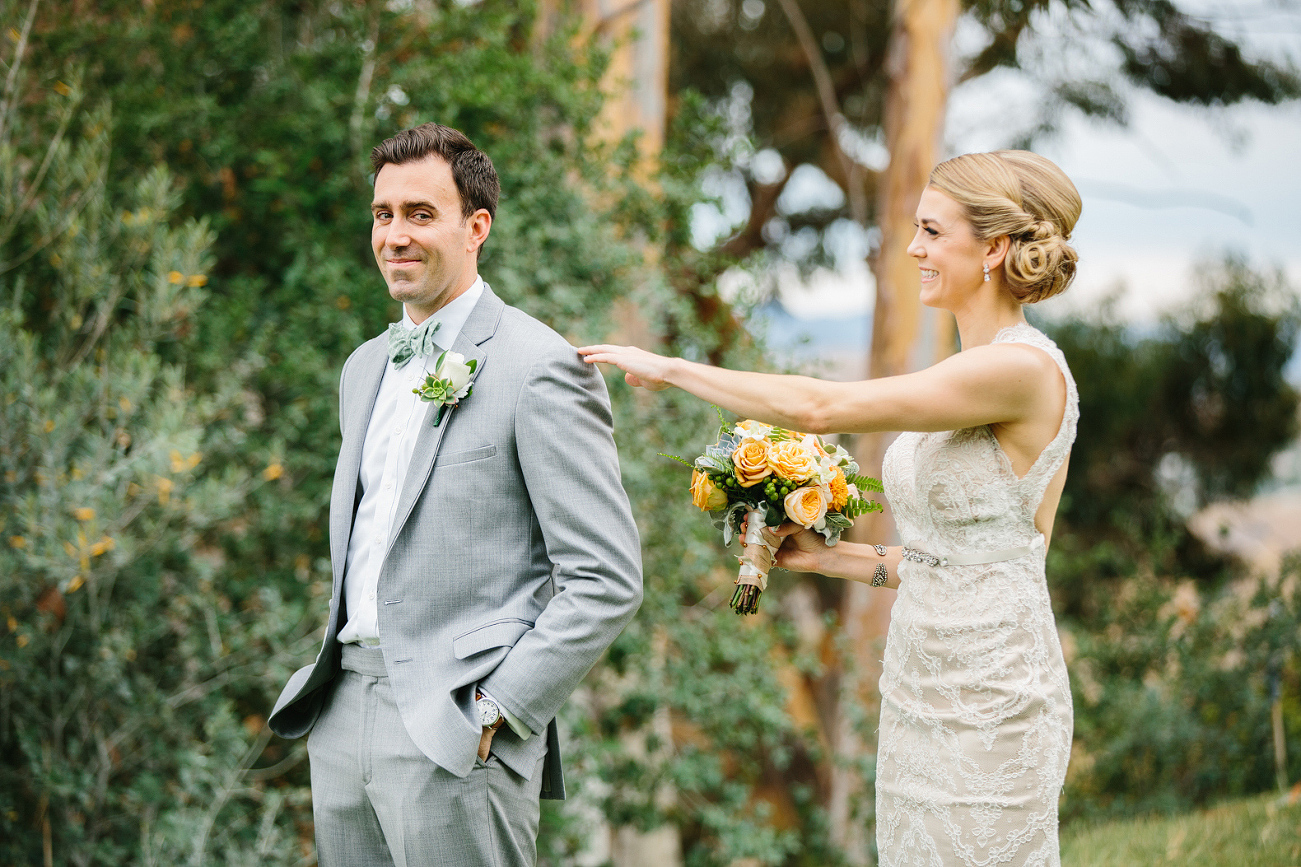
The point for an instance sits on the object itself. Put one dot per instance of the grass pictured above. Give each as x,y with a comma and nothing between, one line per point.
1255,832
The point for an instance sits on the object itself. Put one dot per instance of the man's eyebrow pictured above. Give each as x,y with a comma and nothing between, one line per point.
406,206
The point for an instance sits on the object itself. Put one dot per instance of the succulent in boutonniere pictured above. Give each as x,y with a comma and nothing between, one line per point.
452,379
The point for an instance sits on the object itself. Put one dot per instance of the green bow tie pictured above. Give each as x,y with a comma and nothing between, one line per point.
405,343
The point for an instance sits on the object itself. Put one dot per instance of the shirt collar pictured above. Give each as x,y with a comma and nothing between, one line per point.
453,315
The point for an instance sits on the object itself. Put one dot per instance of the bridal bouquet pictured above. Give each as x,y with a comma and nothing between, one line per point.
761,476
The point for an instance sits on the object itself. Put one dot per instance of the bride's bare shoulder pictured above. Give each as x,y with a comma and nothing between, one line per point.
1014,362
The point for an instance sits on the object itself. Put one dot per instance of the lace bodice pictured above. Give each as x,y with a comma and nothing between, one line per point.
975,703
956,491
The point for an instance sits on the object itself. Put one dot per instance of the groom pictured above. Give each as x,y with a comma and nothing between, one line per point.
484,553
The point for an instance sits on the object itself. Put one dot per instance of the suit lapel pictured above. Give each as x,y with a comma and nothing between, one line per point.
358,403
481,325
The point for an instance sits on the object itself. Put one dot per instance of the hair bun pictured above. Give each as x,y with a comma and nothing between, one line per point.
1042,230
1039,264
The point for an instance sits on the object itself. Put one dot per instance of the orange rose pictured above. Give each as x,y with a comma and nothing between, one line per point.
705,495
839,490
806,506
751,461
792,461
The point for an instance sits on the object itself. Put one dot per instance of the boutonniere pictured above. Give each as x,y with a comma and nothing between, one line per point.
451,380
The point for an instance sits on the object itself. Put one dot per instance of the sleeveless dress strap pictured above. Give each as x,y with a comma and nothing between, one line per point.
1036,480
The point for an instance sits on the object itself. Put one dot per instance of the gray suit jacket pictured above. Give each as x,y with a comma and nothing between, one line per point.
514,559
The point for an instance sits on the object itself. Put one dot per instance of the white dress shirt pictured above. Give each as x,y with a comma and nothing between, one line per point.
385,456
390,439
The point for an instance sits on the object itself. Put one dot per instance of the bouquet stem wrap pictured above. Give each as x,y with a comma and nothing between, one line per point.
757,557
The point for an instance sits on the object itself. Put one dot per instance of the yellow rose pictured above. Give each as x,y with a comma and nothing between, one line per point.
792,461
751,462
839,490
806,506
705,495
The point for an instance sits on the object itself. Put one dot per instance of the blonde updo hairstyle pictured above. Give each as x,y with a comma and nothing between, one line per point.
1028,199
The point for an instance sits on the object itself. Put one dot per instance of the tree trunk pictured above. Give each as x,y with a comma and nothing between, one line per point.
903,340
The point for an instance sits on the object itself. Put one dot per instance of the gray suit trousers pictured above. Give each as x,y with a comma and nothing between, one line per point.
378,801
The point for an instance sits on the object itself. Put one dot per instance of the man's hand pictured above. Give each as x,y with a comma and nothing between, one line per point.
485,743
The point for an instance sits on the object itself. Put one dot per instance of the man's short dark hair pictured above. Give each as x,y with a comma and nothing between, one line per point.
476,179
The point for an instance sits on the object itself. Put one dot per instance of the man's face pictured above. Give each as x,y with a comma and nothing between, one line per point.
424,248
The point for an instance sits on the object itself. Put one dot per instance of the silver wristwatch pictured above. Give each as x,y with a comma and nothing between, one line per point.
489,713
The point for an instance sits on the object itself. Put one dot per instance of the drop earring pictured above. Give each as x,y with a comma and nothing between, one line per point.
986,273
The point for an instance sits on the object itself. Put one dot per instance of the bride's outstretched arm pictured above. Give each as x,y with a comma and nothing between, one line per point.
983,385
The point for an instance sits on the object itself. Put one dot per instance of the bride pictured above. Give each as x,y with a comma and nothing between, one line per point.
976,715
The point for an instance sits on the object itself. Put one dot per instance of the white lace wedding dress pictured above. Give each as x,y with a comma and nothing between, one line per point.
976,712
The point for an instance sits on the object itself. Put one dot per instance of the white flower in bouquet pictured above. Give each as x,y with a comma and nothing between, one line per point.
753,430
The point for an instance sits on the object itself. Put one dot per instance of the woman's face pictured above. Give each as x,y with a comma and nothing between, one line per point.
947,251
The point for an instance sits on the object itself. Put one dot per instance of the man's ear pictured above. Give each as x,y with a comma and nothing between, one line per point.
480,224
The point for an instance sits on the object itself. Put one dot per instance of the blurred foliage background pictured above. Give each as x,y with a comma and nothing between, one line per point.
183,269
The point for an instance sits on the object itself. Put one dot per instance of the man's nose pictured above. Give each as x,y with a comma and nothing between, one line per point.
397,236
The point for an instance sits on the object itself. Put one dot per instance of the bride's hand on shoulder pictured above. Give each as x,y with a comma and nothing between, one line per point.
640,368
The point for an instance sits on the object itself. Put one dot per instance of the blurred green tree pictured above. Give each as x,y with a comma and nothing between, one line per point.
1173,691
120,745
1168,422
1171,652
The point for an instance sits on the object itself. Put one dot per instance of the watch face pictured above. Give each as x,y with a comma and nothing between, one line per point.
488,712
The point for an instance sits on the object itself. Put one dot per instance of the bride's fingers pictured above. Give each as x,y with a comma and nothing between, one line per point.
595,354
786,529
606,353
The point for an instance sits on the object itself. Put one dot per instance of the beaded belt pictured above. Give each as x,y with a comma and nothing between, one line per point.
979,558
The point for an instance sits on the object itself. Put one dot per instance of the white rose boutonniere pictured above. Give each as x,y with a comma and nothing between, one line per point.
452,380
